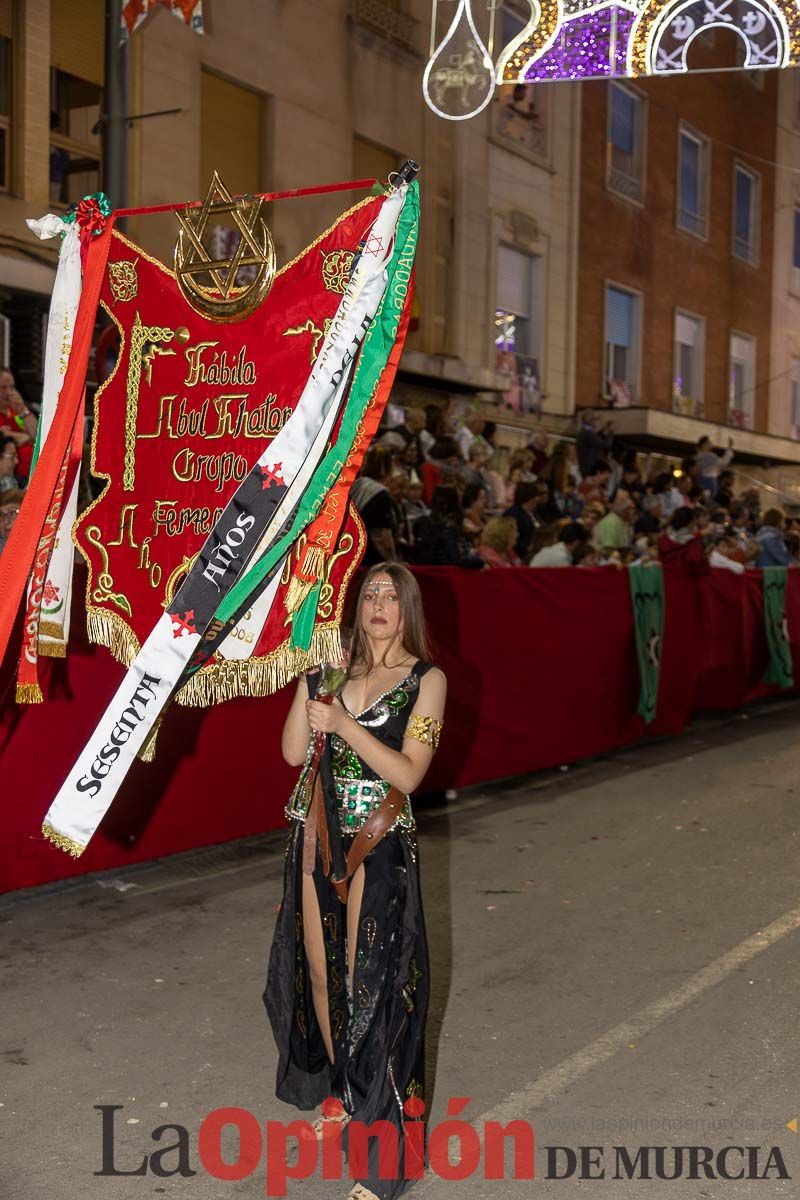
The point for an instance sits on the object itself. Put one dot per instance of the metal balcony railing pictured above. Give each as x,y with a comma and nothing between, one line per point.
387,20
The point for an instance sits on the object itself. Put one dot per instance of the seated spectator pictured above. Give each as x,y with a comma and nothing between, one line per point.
594,489
744,545
590,515
411,431
773,551
439,539
614,530
497,478
414,506
586,555
473,500
528,497
538,448
497,542
472,427
562,553
9,461
631,481
10,502
720,555
724,496
649,520
523,459
441,466
376,507
17,422
680,546
556,474
478,456
397,487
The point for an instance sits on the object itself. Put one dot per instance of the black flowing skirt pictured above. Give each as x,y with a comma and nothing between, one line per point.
378,1031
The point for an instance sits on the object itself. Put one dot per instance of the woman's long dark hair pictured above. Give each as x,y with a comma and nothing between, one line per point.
414,637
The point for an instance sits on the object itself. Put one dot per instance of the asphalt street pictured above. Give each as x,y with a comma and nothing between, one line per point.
614,961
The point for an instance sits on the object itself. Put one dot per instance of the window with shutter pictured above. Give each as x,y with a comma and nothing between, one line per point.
518,302
692,183
742,384
687,390
622,340
745,214
625,142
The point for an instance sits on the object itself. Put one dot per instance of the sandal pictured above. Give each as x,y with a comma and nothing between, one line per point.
359,1192
320,1123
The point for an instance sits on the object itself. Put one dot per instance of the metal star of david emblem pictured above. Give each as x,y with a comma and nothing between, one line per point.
219,296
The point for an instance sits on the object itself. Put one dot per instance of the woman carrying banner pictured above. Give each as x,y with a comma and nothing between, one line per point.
347,985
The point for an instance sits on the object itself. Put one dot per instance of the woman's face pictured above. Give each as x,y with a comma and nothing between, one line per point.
380,609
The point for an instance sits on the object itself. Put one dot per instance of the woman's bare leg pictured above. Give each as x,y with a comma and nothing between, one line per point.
315,954
354,897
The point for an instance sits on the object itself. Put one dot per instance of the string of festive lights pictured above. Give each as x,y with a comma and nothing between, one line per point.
640,37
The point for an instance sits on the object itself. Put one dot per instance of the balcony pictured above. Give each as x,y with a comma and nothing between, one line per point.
387,21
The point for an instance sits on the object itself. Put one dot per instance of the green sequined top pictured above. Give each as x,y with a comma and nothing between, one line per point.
359,789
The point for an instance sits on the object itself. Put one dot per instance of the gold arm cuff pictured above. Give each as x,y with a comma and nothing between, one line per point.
425,729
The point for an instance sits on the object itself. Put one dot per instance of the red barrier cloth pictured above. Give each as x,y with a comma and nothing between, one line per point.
541,668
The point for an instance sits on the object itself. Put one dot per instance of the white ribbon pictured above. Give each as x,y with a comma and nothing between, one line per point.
57,592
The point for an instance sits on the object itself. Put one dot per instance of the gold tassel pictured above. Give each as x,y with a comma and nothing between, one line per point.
296,593
106,630
50,649
29,693
230,678
62,841
304,580
147,752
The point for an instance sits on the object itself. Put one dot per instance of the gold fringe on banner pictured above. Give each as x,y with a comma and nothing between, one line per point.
29,693
51,629
104,629
48,649
147,752
230,678
62,841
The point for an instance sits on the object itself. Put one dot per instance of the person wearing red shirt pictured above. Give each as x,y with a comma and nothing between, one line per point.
17,421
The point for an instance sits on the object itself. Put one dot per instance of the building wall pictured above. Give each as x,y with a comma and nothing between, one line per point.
786,278
639,246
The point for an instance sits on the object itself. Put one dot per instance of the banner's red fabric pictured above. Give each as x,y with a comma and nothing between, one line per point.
541,669
190,406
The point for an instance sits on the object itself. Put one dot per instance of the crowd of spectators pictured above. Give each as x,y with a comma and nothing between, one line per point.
434,493
17,437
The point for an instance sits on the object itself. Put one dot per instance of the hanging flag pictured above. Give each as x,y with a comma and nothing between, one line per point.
647,601
779,669
262,512
188,11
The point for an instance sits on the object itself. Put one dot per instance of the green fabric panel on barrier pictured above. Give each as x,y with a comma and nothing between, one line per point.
647,603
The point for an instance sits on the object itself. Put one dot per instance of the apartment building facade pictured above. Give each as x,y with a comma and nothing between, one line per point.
278,96
679,196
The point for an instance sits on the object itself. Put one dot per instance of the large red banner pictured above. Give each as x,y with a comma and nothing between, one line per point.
187,409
